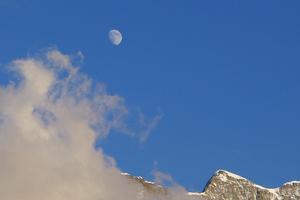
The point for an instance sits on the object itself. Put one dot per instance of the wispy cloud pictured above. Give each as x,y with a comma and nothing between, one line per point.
148,125
49,120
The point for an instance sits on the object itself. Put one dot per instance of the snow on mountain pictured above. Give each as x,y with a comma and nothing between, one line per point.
225,185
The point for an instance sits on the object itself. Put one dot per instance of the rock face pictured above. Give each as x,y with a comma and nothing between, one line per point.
224,185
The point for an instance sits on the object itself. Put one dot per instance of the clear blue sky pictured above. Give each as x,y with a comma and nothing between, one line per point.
225,75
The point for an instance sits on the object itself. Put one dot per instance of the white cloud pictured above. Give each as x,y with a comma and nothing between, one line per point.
49,121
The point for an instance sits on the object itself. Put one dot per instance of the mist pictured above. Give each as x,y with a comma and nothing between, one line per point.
51,115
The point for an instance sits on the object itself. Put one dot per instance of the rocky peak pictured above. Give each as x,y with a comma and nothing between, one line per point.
224,185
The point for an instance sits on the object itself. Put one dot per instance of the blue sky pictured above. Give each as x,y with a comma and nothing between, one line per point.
225,75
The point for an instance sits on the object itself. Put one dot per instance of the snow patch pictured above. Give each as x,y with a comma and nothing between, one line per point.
229,174
292,183
194,193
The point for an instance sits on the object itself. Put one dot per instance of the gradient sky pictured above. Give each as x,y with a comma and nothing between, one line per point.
224,74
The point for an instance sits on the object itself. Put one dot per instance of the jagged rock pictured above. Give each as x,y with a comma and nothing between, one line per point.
224,185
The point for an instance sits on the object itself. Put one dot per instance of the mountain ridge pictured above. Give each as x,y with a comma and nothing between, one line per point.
224,185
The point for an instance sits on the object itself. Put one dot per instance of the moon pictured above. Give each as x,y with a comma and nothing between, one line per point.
115,37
